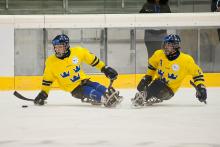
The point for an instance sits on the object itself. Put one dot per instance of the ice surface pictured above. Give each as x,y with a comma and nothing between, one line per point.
66,122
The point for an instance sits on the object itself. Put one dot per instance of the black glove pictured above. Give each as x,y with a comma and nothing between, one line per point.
40,99
109,72
145,81
201,93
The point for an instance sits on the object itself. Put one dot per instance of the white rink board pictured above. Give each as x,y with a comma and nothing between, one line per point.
162,20
180,122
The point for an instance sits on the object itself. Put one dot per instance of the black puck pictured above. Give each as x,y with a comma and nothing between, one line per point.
24,106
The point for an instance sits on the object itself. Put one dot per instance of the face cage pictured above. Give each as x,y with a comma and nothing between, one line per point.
61,55
174,45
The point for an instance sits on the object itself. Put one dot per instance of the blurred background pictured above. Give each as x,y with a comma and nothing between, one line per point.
94,6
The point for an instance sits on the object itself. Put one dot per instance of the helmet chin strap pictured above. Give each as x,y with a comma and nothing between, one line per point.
173,55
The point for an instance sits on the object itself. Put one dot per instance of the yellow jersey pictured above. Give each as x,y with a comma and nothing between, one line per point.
68,72
173,72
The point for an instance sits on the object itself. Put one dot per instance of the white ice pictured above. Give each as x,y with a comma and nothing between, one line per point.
66,122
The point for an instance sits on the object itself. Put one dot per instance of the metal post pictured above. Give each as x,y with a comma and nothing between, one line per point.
45,44
133,49
104,45
66,10
178,4
198,53
6,4
65,6
81,36
122,3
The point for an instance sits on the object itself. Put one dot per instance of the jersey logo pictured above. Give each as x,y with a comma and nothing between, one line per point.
65,74
75,78
172,76
160,72
75,60
77,69
175,67
164,80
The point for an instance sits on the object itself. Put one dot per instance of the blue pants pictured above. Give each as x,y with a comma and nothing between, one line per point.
93,90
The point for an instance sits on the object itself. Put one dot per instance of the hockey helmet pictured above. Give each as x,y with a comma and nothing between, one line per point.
171,43
61,40
173,39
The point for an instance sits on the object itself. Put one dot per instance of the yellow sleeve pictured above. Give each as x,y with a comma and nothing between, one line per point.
47,78
152,64
93,60
196,72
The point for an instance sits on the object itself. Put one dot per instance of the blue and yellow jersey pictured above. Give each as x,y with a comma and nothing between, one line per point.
173,72
68,72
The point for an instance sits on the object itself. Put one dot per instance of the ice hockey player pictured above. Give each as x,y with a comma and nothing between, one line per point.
166,70
65,68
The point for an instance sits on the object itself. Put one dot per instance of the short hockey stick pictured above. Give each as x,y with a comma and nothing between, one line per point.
18,95
110,84
193,84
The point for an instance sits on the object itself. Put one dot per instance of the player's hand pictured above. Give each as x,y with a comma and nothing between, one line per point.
40,99
109,72
201,93
145,81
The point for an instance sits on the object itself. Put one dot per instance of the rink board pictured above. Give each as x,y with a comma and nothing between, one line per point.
123,81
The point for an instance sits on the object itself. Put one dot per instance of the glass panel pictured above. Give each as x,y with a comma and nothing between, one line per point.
2,4
35,6
190,5
29,52
85,6
174,5
186,6
123,6
104,6
94,6
189,42
126,49
210,50
141,52
202,6
113,6
131,6
119,50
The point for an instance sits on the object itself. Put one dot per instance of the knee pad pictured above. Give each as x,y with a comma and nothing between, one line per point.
77,92
160,90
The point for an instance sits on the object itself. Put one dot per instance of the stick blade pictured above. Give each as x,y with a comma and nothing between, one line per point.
18,95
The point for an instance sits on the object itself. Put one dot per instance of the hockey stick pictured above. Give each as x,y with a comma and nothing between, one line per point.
193,84
110,84
18,95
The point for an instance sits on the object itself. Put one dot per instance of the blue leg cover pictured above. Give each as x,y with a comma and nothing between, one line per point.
92,93
100,88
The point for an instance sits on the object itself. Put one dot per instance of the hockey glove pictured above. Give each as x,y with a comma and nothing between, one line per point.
109,72
40,99
201,92
145,81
